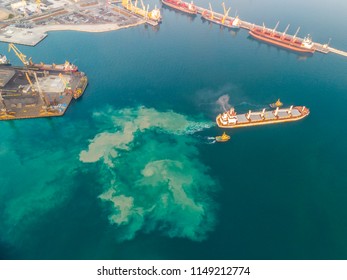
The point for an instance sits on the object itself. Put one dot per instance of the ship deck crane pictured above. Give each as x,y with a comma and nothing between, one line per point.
274,30
226,12
212,14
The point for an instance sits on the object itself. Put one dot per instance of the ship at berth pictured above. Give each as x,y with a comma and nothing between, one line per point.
230,119
224,20
283,40
182,6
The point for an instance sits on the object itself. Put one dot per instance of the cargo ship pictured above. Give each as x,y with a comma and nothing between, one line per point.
224,20
227,22
182,6
153,17
3,60
230,119
66,67
283,40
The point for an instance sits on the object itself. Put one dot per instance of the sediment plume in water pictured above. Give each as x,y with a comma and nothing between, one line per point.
152,176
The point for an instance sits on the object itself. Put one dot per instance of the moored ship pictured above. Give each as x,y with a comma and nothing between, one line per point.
182,6
230,119
281,39
152,17
66,67
220,19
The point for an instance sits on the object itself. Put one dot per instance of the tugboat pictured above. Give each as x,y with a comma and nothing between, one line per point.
223,138
4,61
278,103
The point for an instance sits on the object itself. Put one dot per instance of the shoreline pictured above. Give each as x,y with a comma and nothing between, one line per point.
31,37
92,28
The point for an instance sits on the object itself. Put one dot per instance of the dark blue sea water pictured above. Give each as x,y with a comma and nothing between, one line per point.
131,171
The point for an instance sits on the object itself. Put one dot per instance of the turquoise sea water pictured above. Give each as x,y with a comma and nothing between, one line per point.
131,171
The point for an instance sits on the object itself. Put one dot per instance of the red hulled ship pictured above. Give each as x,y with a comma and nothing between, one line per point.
281,39
185,7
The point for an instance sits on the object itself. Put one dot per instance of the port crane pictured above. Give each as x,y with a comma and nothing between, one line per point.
19,54
38,6
29,81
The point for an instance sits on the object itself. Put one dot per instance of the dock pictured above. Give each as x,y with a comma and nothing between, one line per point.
27,37
31,93
322,48
336,51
